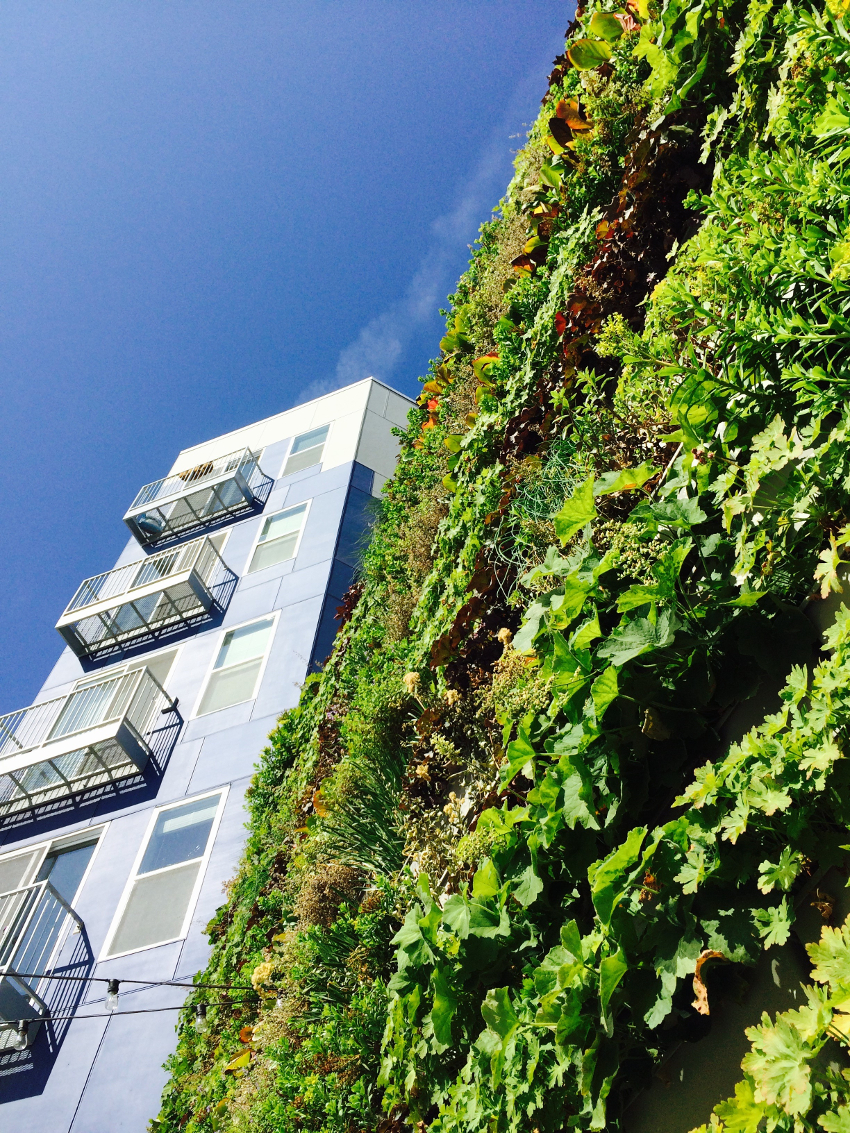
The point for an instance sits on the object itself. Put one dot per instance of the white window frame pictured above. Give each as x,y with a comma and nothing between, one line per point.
275,616
61,842
330,425
256,541
223,792
116,670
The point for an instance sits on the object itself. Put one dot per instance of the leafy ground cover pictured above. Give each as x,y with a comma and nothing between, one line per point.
503,855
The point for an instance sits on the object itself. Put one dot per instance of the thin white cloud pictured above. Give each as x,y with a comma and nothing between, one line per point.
379,345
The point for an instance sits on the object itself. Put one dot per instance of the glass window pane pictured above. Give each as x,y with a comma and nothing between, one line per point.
284,523
180,834
274,552
12,871
244,644
64,869
310,440
156,909
230,686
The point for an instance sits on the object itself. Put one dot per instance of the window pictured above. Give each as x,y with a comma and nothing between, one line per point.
278,539
236,673
163,888
63,862
306,450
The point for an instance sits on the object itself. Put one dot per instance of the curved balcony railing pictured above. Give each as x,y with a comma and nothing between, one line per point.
167,590
197,497
98,734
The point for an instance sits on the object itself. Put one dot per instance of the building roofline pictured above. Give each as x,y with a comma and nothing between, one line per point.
299,405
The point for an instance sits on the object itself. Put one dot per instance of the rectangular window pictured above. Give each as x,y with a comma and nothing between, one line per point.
162,891
278,539
238,666
306,450
63,862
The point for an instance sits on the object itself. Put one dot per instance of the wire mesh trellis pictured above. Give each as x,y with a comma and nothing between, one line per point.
526,530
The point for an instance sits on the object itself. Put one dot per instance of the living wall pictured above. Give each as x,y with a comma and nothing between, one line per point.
504,854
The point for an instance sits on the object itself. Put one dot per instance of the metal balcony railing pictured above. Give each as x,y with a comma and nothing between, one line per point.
97,734
34,922
197,497
168,589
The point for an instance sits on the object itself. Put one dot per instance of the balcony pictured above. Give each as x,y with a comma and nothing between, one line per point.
98,734
198,498
34,923
141,601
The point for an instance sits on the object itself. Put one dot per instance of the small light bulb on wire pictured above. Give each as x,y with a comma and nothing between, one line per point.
201,1024
112,995
21,1038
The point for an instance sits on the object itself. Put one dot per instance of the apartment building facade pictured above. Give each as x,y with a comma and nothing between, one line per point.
122,786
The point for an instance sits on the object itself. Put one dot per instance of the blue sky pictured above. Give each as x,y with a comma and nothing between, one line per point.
209,212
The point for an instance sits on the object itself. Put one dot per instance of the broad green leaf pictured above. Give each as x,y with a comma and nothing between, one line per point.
626,479
611,971
604,690
456,915
578,511
636,596
499,1014
631,639
606,26
668,568
442,1012
530,887
609,878
520,757
585,54
578,805
452,442
586,633
485,881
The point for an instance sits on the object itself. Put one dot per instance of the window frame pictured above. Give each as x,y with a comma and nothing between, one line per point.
275,617
134,875
126,666
61,842
330,426
260,526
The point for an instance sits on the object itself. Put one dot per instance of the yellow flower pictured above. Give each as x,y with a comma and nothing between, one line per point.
411,682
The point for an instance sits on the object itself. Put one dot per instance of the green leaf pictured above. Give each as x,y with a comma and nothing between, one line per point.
627,479
585,54
774,924
611,971
452,442
520,757
778,1065
831,957
576,512
529,888
836,1121
456,915
485,881
606,26
742,1114
445,1005
631,639
604,690
499,1014
783,873
608,878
